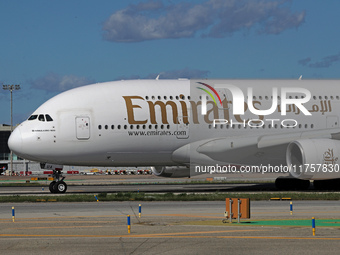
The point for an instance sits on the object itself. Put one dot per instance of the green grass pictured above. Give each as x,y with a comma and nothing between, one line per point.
134,196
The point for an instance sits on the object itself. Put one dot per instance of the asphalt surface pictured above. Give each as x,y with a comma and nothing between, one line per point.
129,183
152,188
165,228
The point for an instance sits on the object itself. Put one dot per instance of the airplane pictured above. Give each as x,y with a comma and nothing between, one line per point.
187,127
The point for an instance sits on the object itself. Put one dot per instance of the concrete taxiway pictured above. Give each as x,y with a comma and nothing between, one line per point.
167,228
129,183
153,188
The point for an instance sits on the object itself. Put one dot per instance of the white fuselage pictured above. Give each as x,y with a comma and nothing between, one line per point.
150,122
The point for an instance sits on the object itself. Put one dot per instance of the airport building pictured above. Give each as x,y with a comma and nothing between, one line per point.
5,153
5,131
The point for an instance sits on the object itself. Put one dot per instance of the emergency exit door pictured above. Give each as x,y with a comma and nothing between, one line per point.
83,128
332,121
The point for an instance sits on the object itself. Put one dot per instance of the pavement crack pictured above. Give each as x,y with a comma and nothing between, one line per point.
122,244
140,245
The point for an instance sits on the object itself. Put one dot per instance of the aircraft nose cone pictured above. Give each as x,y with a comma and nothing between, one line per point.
15,141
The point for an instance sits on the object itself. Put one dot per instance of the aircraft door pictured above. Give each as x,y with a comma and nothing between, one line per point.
332,121
83,128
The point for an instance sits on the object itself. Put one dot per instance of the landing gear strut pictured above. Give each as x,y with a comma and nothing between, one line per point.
58,186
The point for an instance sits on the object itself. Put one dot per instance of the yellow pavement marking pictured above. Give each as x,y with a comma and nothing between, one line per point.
57,222
174,235
294,212
63,227
282,237
161,235
202,232
185,215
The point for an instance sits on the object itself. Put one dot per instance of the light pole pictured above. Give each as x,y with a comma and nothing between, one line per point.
11,88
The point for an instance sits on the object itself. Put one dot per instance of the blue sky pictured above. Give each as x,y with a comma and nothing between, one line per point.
50,46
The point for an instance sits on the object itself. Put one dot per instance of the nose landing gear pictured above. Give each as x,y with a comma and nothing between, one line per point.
58,186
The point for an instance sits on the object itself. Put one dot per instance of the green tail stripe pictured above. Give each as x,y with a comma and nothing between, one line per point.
208,94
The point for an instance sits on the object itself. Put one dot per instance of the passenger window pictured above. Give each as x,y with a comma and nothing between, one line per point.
48,117
33,117
41,117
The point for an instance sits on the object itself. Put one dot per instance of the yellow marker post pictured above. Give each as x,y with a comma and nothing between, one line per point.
129,224
13,214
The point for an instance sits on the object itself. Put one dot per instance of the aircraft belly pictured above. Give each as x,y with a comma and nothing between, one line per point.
115,159
140,158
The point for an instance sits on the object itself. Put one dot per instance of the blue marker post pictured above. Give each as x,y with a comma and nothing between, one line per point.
96,198
140,210
13,214
129,224
291,208
313,225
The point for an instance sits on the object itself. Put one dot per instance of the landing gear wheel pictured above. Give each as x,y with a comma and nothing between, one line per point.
60,187
51,187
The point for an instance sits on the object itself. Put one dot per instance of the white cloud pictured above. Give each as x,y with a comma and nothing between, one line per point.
180,73
324,63
153,20
172,74
53,82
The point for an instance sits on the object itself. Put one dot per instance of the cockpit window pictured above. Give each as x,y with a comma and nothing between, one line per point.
48,117
41,117
33,117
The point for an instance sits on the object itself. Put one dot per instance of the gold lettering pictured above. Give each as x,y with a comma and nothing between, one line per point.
261,117
185,112
194,111
162,106
226,108
213,110
238,117
130,107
